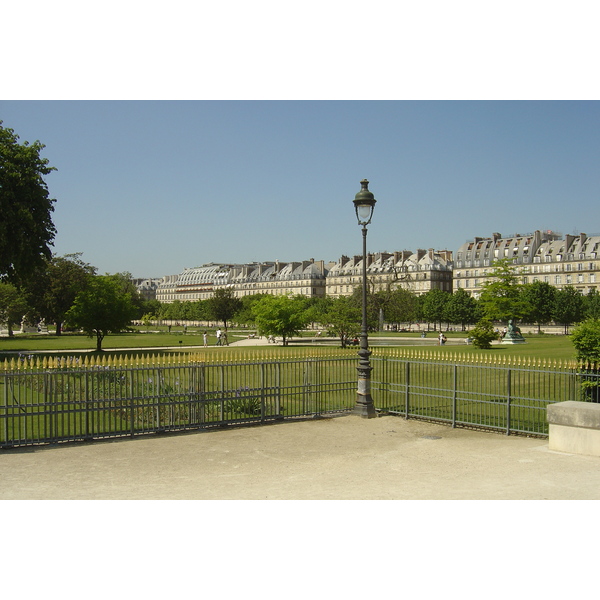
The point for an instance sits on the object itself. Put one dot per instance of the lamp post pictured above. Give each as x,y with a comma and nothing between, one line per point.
364,203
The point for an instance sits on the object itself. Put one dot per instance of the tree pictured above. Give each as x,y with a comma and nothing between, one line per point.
343,318
398,305
127,286
223,305
569,306
592,304
101,309
586,339
26,228
539,299
53,288
500,298
483,334
372,307
280,316
433,306
246,313
461,308
13,306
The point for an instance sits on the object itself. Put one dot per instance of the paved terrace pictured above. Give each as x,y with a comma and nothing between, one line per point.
344,457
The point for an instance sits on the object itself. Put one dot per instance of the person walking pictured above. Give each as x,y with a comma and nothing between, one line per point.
205,338
219,337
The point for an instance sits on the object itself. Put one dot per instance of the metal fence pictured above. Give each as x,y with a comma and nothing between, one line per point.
66,403
505,398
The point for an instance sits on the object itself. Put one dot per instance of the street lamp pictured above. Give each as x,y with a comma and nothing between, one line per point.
364,203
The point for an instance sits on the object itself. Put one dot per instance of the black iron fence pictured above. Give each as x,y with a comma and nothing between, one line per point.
506,398
57,402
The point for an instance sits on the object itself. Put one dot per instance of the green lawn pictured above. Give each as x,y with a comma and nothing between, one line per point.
553,347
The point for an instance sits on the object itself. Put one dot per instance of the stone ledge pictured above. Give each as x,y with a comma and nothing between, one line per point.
574,414
574,427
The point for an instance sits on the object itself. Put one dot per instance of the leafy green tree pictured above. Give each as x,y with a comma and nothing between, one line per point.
245,314
592,304
125,281
372,307
539,300
343,319
461,308
282,316
569,307
223,305
26,228
398,305
500,298
13,306
103,308
433,306
53,288
586,339
483,334
318,308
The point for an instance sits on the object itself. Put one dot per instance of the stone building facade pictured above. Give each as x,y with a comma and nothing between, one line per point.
307,278
570,260
540,256
418,272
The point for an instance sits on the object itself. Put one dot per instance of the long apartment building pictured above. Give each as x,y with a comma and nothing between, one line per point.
278,278
570,260
418,271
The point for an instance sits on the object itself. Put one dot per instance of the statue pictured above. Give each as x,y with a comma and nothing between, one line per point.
513,334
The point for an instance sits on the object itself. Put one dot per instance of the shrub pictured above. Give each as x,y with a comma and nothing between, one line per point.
483,334
586,339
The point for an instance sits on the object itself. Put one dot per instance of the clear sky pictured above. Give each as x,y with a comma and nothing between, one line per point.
152,187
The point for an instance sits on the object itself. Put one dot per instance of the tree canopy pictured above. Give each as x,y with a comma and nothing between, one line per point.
282,316
223,305
539,300
102,308
13,305
53,289
500,298
26,227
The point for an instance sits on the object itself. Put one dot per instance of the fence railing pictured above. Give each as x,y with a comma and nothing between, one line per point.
509,399
52,400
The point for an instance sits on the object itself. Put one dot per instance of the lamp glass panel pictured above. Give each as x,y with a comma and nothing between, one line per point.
364,212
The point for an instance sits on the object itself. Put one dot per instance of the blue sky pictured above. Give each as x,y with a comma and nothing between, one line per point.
152,187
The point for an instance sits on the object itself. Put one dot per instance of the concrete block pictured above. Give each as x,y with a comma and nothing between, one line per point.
574,427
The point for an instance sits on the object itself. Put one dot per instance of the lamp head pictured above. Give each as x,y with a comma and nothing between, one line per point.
364,203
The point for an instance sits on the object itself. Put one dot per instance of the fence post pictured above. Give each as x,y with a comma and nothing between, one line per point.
454,394
132,413
222,383
50,409
278,385
508,385
262,392
5,424
407,393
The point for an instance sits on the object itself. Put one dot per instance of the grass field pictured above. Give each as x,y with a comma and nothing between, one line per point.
550,347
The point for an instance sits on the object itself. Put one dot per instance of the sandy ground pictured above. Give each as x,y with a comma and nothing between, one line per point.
387,458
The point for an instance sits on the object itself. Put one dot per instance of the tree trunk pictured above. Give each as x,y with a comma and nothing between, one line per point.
58,327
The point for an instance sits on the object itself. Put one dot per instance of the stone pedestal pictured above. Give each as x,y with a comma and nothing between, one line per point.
574,427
